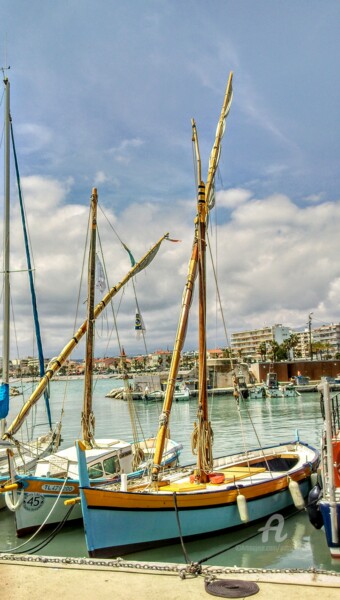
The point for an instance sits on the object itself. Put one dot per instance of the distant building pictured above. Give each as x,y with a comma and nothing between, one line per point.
160,359
329,336
215,353
246,344
302,349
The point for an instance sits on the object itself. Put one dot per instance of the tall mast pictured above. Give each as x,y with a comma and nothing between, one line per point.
87,421
6,250
31,280
203,431
204,452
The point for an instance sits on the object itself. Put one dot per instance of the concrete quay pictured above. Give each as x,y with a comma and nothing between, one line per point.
29,577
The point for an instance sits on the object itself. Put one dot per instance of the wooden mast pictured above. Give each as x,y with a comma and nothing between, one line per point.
87,418
202,429
203,432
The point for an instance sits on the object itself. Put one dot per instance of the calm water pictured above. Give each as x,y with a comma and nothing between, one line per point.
275,420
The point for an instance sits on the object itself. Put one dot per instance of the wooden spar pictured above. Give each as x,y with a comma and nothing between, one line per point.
215,153
197,150
204,433
176,356
87,420
58,362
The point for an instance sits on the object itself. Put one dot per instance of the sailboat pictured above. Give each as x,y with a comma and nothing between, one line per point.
26,452
212,495
39,498
324,498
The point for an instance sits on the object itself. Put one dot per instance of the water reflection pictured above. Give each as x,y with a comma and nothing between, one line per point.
275,420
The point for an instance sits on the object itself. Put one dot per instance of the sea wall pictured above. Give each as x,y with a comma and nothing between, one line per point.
314,369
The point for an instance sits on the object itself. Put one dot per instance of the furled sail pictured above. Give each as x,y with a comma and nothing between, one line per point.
57,363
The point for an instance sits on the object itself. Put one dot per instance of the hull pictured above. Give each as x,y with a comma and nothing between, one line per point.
257,393
180,396
43,504
43,498
332,533
274,393
117,522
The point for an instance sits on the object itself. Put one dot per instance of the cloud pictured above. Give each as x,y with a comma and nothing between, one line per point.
118,116
268,254
33,137
232,198
122,153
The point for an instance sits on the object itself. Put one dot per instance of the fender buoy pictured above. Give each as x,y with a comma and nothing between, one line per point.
14,505
242,508
296,495
313,508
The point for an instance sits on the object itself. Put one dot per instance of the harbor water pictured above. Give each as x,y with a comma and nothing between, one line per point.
292,543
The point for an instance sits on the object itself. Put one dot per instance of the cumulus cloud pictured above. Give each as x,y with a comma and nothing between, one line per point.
121,120
232,198
275,261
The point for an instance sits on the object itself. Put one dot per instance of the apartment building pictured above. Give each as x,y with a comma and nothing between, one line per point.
247,343
329,335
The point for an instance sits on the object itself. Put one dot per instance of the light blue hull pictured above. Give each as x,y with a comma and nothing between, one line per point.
113,532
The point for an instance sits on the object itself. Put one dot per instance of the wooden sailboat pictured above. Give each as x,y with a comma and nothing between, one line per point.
210,496
40,496
26,452
324,498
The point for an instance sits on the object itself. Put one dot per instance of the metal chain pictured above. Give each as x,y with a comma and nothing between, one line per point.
181,570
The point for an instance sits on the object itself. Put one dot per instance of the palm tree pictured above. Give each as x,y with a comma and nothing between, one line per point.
275,347
263,350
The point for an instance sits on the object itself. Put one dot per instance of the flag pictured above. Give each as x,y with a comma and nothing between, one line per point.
132,260
172,240
100,281
139,325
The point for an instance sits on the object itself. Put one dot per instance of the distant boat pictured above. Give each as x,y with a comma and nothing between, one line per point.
212,495
155,396
273,389
324,498
257,392
181,393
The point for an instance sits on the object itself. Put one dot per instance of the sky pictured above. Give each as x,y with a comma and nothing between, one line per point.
102,95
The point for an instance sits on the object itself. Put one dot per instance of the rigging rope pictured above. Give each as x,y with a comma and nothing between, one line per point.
138,455
236,394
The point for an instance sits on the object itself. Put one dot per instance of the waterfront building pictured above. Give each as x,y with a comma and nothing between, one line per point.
302,348
247,344
328,336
